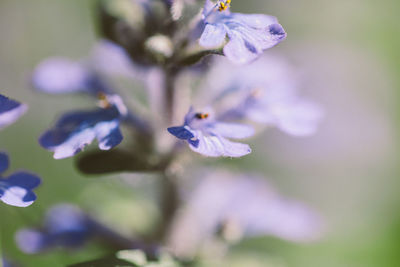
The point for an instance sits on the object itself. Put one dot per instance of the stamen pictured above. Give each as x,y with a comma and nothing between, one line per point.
103,100
201,116
224,5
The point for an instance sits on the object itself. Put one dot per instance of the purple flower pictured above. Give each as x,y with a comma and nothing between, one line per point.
237,206
10,111
59,75
17,189
67,226
64,226
77,129
207,136
249,34
6,262
264,92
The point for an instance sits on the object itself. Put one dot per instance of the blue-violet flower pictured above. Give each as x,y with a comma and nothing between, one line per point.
249,34
207,136
10,111
239,206
266,92
64,226
17,189
77,129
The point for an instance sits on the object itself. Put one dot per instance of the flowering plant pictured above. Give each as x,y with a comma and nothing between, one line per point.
240,92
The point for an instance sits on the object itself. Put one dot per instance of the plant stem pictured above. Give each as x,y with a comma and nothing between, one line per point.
169,203
170,76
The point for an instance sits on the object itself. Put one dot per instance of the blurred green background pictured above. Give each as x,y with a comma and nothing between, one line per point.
348,55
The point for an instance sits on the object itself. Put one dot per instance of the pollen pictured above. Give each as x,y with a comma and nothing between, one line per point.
201,116
103,100
224,5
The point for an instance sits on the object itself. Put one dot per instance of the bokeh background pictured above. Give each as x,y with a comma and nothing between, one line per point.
348,55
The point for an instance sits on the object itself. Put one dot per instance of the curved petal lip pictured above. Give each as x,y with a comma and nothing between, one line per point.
76,130
11,115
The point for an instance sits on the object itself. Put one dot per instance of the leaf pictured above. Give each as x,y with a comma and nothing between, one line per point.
113,161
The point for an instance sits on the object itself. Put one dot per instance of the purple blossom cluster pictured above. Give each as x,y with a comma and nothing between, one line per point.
16,189
241,92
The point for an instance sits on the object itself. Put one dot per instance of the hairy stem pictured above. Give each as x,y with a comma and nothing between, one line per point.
169,203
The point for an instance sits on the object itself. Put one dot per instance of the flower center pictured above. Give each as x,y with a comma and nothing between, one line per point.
201,116
103,100
224,5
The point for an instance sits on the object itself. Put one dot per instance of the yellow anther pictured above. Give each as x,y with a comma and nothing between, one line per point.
201,116
103,100
224,5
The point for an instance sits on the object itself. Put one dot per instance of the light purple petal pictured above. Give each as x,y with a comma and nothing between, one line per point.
213,35
60,75
110,58
246,201
233,130
217,146
15,195
298,118
30,241
208,7
259,21
238,51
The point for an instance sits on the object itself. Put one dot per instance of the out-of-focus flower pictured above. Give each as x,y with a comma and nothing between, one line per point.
208,136
59,75
67,226
64,226
6,262
240,206
10,111
264,92
249,34
17,189
109,58
77,129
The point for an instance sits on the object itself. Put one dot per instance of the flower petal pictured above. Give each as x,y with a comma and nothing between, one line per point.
238,50
233,130
109,135
75,130
15,196
181,132
60,75
217,146
298,119
30,241
10,111
213,35
259,21
23,179
109,58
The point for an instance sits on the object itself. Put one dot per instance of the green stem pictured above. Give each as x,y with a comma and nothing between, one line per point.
170,76
169,203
